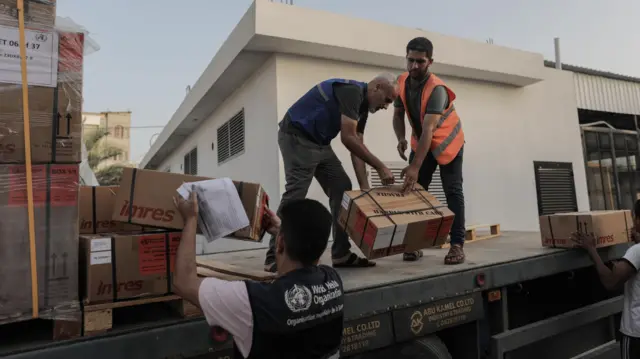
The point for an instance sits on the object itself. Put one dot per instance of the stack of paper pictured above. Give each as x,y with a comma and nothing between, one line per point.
220,209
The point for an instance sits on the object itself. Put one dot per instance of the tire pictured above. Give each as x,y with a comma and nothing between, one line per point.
430,347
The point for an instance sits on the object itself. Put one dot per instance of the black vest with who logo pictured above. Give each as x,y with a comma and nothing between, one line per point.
298,316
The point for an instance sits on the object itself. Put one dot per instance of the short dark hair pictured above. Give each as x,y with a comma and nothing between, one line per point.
306,225
421,44
636,209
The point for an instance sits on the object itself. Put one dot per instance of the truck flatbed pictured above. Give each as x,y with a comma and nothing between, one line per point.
391,287
511,258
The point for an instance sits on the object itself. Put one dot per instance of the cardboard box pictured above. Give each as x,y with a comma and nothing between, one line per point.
609,227
385,221
140,264
55,195
96,208
55,113
146,198
39,14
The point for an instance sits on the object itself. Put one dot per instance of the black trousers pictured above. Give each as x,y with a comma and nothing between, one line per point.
629,347
451,176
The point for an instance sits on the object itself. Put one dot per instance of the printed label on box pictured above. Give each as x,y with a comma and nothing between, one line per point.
18,186
152,254
345,201
42,57
64,185
100,244
103,257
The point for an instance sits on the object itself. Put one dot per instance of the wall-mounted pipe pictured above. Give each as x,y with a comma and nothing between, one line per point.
556,44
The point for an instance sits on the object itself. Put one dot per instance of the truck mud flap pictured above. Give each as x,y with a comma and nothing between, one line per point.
511,340
431,317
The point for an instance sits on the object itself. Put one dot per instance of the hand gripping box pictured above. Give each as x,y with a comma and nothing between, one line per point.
384,221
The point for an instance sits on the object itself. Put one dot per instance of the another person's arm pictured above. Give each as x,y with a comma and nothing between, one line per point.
437,103
398,127
622,270
350,98
358,165
186,282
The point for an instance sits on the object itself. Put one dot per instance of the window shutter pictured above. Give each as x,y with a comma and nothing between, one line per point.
555,187
191,162
231,138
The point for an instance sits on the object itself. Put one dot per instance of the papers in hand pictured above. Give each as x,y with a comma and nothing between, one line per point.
220,209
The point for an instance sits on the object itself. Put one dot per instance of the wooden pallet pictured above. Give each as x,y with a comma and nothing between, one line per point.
212,268
38,331
487,231
100,318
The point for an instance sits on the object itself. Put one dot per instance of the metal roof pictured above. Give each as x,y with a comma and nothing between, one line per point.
593,72
604,91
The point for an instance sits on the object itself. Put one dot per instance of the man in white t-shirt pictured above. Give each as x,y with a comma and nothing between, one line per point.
299,315
623,272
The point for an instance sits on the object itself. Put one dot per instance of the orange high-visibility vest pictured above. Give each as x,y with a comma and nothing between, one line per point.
448,136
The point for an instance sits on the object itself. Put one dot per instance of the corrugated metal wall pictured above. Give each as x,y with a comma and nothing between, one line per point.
608,95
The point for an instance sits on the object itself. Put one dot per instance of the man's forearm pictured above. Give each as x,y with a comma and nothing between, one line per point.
357,148
361,171
186,269
398,127
605,274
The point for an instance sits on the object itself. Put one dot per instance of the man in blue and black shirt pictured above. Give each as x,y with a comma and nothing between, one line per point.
331,108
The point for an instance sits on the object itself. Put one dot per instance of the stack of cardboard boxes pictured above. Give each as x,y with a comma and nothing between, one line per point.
131,232
54,65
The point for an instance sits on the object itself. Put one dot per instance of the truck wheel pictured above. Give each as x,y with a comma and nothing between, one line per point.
430,347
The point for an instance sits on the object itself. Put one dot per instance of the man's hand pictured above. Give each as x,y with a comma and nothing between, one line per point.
271,222
187,208
402,148
410,174
586,241
386,176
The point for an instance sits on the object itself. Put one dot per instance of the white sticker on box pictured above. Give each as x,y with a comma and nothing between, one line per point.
345,201
103,257
100,244
42,57
384,237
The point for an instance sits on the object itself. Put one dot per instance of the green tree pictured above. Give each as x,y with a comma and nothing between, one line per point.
98,150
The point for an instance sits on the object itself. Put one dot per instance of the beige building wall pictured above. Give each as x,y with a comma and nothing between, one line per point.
118,124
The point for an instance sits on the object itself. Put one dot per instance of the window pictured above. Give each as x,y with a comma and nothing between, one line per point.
118,131
555,187
191,162
435,188
231,138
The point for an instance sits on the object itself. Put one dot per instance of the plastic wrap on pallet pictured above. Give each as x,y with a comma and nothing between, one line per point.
55,201
55,76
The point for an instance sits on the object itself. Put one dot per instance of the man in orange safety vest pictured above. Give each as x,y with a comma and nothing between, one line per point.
437,138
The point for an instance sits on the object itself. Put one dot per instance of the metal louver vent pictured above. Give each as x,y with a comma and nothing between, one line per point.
231,137
555,187
435,188
190,162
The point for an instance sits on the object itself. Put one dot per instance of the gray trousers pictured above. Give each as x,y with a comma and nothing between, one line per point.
304,160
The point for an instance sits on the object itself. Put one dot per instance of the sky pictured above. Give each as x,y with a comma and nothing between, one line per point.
151,50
